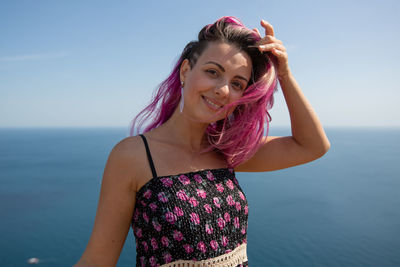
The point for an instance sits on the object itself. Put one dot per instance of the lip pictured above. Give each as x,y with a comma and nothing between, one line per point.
213,101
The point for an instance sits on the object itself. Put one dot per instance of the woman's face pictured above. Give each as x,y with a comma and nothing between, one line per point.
220,76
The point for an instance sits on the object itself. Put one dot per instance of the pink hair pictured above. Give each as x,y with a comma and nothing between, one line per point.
237,136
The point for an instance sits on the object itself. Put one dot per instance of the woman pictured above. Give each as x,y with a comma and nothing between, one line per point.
175,184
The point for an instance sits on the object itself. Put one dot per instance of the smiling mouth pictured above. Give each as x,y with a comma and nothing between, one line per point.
211,104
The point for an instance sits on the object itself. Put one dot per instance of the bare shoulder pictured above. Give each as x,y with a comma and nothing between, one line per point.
129,146
127,155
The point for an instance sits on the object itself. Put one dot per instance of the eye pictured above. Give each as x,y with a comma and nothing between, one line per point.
212,72
238,85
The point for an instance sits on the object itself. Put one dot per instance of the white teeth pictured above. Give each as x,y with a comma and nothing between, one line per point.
211,103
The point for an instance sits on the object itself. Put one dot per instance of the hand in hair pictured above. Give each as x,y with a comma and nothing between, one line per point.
270,44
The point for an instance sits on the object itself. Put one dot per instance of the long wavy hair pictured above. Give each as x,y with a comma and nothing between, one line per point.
237,137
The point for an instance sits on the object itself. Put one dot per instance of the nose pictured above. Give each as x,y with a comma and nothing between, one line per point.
222,89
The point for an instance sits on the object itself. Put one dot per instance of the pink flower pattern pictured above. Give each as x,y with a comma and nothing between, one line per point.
188,248
170,217
236,222
224,241
157,226
182,195
184,180
220,187
145,217
201,193
243,231
209,229
214,244
194,217
210,176
193,201
201,246
227,217
165,241
230,200
139,232
153,206
217,202
208,208
178,211
147,194
221,223
198,178
210,201
167,182
153,261
145,246
229,184
162,197
154,243
238,207
167,258
177,235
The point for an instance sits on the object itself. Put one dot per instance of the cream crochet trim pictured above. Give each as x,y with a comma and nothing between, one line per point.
231,259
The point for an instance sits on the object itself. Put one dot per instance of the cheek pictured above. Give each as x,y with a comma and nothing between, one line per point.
234,97
199,84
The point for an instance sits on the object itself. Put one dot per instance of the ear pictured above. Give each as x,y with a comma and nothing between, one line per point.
185,67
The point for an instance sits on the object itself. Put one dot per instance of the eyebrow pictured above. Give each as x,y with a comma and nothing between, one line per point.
223,70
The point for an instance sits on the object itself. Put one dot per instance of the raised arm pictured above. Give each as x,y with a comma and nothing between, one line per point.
115,208
308,141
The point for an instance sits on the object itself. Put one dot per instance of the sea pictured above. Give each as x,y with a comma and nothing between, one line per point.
342,209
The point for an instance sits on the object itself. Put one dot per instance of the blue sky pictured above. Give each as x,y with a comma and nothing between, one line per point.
97,63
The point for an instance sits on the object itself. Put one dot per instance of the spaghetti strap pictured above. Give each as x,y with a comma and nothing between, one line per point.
153,170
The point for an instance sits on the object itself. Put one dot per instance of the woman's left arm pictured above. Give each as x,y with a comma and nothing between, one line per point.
308,141
307,130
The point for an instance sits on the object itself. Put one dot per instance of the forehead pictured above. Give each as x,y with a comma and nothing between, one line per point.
229,56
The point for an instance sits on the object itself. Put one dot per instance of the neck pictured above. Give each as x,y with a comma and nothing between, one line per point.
185,132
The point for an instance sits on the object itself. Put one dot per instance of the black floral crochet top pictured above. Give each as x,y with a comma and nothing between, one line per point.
191,216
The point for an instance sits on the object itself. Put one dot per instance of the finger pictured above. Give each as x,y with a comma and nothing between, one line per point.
266,40
256,30
269,39
283,56
269,30
269,47
272,39
277,52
